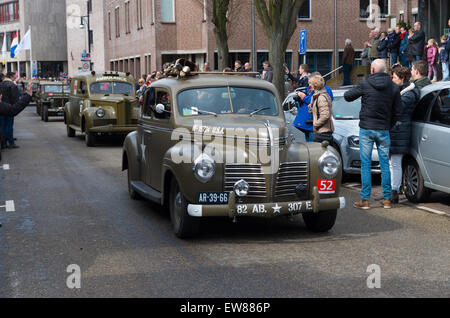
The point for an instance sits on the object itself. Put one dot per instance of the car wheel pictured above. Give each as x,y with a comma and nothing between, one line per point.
90,139
133,194
70,132
183,224
45,114
320,222
38,109
413,183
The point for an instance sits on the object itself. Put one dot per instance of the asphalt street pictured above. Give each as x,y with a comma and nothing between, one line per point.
71,206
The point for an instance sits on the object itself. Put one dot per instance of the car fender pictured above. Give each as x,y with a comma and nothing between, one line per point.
130,156
67,119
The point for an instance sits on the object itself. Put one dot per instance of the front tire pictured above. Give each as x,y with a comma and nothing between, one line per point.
90,139
413,183
45,114
320,222
70,132
184,225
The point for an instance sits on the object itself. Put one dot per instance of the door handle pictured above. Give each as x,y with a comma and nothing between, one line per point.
147,131
424,138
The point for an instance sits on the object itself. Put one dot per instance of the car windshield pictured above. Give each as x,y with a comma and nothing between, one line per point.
67,88
112,88
52,89
343,110
224,100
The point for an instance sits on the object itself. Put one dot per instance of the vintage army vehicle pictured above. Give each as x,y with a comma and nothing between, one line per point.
218,146
103,103
51,99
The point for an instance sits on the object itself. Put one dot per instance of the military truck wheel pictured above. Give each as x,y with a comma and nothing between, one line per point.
184,225
70,132
38,109
320,222
45,114
413,183
133,194
90,139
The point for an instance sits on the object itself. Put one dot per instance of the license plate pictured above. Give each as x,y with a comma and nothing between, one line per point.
212,197
326,186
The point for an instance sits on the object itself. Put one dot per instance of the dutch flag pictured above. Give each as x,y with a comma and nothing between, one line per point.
14,44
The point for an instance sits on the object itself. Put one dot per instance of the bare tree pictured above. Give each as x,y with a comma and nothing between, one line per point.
279,18
220,13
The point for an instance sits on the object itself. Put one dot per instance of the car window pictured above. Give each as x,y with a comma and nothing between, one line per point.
111,88
343,110
163,97
420,113
224,100
440,112
289,103
52,89
149,102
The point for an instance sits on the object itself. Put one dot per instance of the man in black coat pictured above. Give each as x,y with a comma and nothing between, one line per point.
302,79
416,44
10,93
380,102
394,45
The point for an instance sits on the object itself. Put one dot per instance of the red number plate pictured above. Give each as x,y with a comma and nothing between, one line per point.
326,186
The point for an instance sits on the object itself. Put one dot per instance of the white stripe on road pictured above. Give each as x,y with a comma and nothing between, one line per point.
9,206
5,167
431,210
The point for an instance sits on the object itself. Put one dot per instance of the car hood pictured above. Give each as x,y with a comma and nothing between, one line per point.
111,98
346,128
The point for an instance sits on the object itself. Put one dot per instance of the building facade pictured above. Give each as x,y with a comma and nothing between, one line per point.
47,21
141,35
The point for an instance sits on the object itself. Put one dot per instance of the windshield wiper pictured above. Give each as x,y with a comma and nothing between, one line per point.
203,112
259,110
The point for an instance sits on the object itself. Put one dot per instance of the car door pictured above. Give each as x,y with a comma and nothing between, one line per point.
75,100
434,142
144,139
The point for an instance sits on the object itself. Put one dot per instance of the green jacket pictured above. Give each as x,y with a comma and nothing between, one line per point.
422,82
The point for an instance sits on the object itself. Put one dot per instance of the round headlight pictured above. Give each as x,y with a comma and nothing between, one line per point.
100,113
241,188
329,165
204,168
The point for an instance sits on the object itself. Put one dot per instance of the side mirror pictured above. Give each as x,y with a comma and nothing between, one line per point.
160,109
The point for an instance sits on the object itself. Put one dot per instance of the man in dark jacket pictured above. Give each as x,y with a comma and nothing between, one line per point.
417,42
10,93
380,101
347,62
383,46
394,45
419,74
302,78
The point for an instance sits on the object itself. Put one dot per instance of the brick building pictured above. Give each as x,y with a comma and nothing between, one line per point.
141,35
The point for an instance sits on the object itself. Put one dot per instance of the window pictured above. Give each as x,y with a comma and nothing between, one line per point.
318,62
440,112
384,8
109,25
9,12
117,22
167,11
139,14
305,10
127,17
204,11
364,9
420,112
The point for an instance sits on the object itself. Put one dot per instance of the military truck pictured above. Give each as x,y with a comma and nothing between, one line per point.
51,99
101,103
210,145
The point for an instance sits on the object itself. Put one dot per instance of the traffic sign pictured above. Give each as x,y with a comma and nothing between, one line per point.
86,66
303,41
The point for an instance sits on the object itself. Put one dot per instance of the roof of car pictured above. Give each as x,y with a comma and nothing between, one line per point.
213,80
434,87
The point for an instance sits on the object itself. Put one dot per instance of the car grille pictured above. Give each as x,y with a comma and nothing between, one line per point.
264,142
250,173
290,176
104,122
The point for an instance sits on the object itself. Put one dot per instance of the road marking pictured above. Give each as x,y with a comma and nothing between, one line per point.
431,210
9,206
5,167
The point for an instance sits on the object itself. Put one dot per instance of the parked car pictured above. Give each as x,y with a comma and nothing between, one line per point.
195,178
427,167
103,103
346,124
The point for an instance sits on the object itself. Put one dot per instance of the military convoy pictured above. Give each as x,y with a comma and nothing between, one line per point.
218,146
51,99
103,103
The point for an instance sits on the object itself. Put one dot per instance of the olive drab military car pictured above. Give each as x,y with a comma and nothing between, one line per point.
217,145
51,99
101,103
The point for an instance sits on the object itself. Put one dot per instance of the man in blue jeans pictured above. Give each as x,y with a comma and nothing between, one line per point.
380,103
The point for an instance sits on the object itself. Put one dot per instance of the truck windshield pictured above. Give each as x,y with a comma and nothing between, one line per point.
52,89
112,88
220,100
